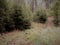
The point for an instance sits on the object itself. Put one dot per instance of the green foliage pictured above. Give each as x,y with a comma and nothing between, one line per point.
40,16
56,12
3,4
19,19
3,9
14,17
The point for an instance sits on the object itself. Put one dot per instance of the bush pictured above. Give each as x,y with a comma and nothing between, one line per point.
56,12
14,18
27,24
20,22
9,25
40,17
2,28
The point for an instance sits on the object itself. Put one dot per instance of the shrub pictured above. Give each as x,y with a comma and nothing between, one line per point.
14,17
2,28
40,17
56,13
3,8
19,19
9,25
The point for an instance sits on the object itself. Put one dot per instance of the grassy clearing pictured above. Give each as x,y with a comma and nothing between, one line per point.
37,35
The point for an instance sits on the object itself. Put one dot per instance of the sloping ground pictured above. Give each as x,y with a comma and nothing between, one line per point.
39,34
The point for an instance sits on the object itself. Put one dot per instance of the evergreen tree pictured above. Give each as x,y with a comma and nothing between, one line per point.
3,8
56,8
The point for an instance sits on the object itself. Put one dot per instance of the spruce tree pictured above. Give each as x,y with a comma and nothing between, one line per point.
3,8
56,8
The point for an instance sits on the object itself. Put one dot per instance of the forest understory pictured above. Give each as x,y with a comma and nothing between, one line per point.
39,34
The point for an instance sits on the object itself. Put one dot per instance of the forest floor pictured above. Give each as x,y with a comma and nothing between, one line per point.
39,34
